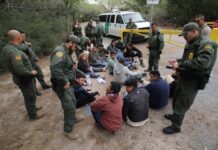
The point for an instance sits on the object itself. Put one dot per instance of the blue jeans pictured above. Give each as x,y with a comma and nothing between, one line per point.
97,116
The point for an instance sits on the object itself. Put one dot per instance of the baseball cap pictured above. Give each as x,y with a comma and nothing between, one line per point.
74,38
189,27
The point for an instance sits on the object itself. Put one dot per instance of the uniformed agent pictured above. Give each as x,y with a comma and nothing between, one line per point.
205,29
155,46
84,45
128,36
194,69
18,63
90,32
77,30
62,78
26,47
99,33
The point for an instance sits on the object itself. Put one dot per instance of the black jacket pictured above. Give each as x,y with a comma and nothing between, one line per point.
133,53
135,105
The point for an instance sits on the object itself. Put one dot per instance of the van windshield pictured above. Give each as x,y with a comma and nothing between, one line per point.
136,17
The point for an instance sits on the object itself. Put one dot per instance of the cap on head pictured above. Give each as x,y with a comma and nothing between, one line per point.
189,27
73,38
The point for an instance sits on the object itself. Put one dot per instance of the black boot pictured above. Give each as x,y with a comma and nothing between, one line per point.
171,130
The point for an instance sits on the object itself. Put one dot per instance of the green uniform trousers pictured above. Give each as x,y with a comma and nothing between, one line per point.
99,40
153,60
68,102
27,88
186,91
40,76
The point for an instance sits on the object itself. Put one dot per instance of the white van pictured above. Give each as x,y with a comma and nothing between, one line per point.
113,22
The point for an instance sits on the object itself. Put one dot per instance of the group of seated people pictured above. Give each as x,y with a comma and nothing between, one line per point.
112,109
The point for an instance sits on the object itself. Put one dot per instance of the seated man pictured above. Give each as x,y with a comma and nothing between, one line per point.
111,62
158,90
107,110
121,72
135,104
132,52
127,61
112,46
83,97
95,60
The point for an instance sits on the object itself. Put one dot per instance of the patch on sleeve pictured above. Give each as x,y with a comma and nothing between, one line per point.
207,46
190,56
59,54
18,58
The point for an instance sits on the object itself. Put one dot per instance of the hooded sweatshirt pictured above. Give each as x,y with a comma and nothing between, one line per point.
110,107
121,73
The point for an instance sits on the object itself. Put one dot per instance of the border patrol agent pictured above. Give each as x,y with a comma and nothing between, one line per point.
26,48
155,46
18,63
194,68
128,36
205,29
63,77
99,33
90,32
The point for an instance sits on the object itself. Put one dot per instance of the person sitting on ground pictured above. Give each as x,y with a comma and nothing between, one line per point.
83,65
107,110
135,104
158,90
111,62
103,53
95,60
132,52
121,72
120,55
83,97
112,46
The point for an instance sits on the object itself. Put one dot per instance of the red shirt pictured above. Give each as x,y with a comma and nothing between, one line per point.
110,107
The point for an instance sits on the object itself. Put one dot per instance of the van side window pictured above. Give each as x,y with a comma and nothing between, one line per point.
103,18
112,18
119,19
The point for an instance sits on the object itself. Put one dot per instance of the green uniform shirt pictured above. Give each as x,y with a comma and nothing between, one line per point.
28,51
83,42
77,30
156,41
90,30
61,65
17,62
99,30
131,25
199,56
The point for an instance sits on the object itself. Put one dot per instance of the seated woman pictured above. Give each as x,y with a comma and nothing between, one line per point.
135,104
107,110
83,97
121,72
83,65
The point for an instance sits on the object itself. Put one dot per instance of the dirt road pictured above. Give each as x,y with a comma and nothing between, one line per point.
199,131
